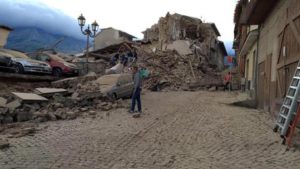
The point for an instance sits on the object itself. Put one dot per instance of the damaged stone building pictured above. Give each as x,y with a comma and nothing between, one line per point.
184,53
187,32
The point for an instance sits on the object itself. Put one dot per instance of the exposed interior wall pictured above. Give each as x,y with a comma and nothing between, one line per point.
3,36
187,35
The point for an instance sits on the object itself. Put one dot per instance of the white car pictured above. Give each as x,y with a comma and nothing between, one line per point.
23,64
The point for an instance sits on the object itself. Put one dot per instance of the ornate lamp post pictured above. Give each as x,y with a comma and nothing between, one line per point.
88,32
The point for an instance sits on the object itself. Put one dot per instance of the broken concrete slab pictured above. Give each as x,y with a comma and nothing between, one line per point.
51,116
4,111
3,102
71,115
75,96
73,81
49,91
30,97
8,119
13,105
24,116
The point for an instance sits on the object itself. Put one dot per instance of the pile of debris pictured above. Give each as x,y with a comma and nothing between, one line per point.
172,71
182,53
80,96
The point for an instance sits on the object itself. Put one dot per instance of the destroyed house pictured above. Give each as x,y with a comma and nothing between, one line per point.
174,27
111,36
4,32
186,35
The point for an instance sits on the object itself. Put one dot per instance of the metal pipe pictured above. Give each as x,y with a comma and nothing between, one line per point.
87,53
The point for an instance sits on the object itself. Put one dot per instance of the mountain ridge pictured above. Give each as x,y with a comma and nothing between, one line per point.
30,39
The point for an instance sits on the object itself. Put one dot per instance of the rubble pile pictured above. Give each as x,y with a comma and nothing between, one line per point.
172,71
82,97
183,53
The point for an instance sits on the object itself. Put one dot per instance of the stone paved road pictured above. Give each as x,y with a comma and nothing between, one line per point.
179,130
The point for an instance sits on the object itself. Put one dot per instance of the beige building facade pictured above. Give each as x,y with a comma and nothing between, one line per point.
278,46
110,36
4,32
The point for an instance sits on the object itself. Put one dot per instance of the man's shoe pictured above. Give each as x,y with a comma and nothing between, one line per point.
130,111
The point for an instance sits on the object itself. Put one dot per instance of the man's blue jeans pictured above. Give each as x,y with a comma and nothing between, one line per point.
136,97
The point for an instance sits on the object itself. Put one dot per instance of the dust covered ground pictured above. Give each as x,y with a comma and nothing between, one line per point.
178,130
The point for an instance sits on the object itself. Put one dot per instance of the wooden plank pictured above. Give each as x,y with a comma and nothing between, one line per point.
281,43
191,67
288,62
279,84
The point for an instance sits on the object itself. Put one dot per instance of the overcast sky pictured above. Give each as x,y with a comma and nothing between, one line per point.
134,16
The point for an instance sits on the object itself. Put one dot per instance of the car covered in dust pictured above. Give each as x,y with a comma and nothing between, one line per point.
23,64
116,85
6,62
59,66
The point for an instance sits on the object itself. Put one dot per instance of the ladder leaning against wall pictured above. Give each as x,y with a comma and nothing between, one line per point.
289,114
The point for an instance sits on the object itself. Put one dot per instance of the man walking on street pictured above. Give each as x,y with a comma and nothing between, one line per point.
136,96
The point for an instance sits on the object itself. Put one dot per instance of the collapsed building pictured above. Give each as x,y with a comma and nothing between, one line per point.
180,52
184,51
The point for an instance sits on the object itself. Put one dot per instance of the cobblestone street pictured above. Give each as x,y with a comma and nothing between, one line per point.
178,130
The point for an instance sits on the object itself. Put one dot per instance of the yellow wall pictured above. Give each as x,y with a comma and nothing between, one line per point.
250,68
3,36
251,60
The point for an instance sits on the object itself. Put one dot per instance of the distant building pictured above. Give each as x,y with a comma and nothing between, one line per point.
4,32
217,47
111,36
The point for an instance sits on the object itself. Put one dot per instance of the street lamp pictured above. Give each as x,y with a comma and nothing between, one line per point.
88,32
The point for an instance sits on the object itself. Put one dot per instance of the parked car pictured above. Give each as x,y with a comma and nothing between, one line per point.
23,64
6,61
116,85
59,66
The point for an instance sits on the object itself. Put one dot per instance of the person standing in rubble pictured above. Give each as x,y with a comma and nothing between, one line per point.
227,81
136,96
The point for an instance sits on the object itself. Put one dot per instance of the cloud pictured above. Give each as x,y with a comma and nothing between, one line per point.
28,14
